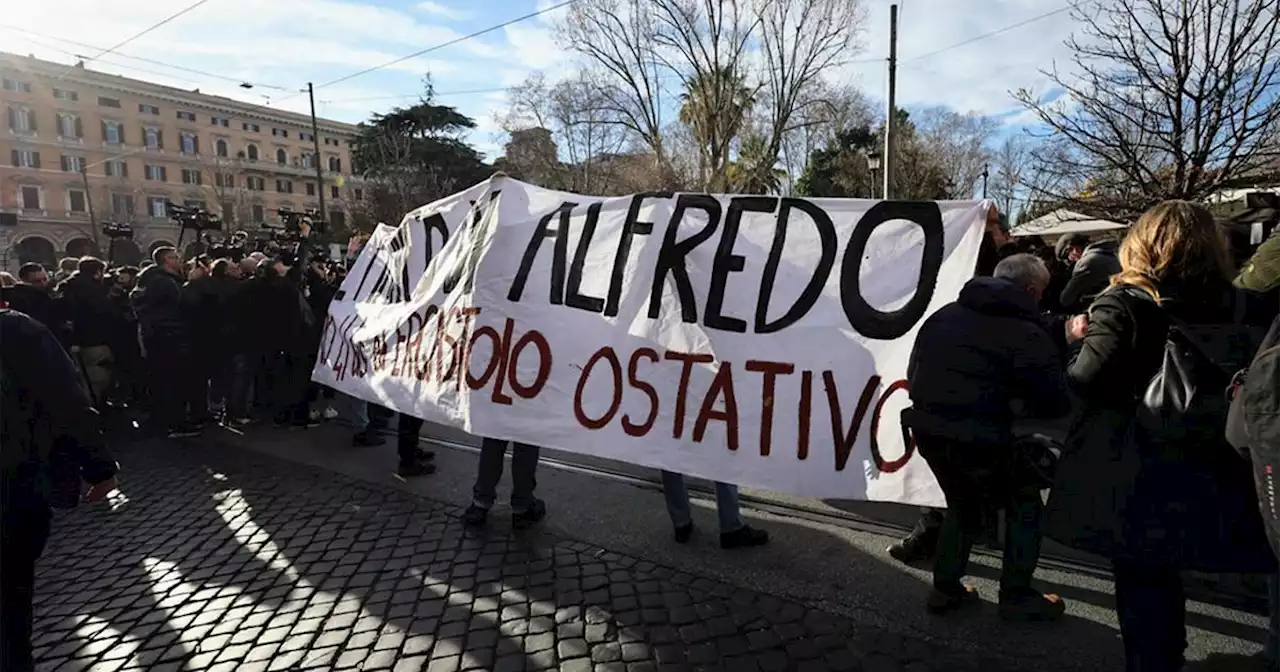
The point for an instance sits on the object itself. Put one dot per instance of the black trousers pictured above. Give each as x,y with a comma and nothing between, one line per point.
178,395
24,530
975,478
1152,610
407,430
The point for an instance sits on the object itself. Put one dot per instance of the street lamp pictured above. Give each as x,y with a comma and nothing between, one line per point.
873,165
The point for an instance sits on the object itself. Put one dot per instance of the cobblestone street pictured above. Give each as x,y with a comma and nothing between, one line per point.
229,560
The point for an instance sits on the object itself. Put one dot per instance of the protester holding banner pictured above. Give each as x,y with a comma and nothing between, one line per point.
733,532
972,360
526,509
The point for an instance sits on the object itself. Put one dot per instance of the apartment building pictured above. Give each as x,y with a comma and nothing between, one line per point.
79,148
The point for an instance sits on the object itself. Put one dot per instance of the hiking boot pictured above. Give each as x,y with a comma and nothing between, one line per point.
534,513
475,516
743,537
367,439
944,601
914,548
1031,607
413,469
683,533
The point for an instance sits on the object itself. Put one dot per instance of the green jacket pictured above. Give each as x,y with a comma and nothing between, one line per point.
1262,273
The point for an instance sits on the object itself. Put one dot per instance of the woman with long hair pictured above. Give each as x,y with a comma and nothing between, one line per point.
1151,490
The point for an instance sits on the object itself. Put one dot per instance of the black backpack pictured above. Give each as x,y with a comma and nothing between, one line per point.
1253,425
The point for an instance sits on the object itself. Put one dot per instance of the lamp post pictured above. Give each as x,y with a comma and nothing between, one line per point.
985,172
873,165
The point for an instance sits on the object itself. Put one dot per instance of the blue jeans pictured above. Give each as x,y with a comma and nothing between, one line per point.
352,411
524,467
678,507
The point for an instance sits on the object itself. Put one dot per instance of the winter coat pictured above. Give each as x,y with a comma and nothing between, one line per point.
974,357
1090,276
95,320
1187,505
157,302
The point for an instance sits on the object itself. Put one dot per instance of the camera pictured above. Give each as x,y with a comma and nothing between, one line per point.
194,218
294,226
232,248
115,230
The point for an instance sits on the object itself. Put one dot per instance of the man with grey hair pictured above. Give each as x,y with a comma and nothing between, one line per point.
972,360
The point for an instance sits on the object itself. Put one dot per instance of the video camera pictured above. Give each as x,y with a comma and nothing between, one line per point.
294,226
232,248
115,230
194,218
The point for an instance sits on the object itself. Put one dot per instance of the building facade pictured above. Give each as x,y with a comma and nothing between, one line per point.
81,148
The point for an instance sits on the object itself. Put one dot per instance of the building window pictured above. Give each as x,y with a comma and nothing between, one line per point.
280,132
122,205
252,128
72,164
17,86
333,192
254,183
186,116
191,176
158,206
156,173
112,133
311,188
153,137
284,186
32,197
25,158
307,137
190,143
251,152
220,121
69,126
335,164
22,120
338,217
76,201
149,109
308,160
224,179
259,212
359,194
116,168
108,102
220,148
282,157
63,94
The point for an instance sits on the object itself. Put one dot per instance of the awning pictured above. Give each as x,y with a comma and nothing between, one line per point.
1062,222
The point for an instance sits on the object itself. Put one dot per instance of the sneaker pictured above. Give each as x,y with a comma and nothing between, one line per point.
744,537
367,439
414,469
184,432
534,513
1032,607
683,533
941,602
329,413
475,516
313,414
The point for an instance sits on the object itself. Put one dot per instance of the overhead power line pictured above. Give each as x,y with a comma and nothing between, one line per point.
140,59
984,36
148,29
442,45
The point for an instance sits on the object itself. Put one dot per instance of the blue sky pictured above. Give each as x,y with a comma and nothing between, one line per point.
279,45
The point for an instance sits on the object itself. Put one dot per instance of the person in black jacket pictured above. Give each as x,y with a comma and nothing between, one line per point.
96,323
971,361
1158,503
166,339
1090,265
33,296
50,440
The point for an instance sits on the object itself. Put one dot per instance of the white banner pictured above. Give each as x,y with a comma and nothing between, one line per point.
754,340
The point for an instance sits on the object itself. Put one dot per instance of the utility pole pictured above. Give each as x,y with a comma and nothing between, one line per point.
88,202
985,172
891,107
323,224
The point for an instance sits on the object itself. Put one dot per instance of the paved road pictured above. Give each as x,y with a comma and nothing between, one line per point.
217,558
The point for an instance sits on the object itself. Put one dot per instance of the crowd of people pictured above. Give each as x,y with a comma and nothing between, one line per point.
1145,345
1137,341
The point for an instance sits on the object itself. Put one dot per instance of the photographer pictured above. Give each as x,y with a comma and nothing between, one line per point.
167,343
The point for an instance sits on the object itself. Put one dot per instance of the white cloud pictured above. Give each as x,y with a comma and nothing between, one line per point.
442,10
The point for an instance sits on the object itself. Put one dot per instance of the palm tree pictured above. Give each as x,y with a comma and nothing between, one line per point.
755,171
715,105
